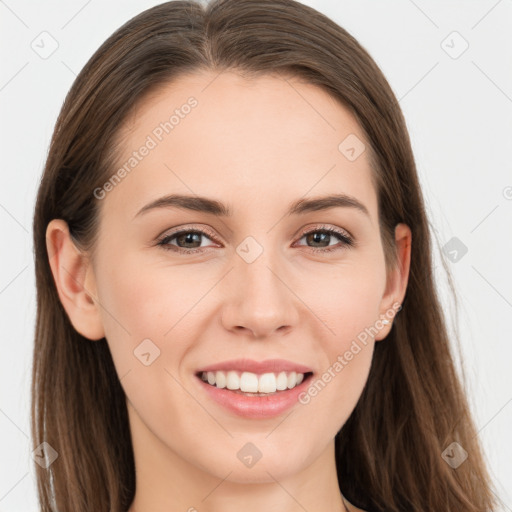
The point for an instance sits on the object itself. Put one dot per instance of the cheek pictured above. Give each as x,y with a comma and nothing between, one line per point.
145,318
147,299
141,310
349,312
348,302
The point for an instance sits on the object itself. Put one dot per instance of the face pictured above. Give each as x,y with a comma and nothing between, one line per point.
187,289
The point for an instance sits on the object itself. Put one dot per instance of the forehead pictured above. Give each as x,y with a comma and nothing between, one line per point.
270,137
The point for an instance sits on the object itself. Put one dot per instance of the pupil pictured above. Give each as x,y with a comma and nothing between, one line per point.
316,235
188,237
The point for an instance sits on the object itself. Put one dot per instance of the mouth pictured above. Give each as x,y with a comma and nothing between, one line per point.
251,395
253,384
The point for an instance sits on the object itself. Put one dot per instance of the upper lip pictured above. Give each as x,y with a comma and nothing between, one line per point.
249,365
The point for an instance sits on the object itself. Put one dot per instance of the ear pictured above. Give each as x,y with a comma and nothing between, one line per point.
74,280
396,284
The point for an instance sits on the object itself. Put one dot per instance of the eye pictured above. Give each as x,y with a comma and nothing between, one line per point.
187,237
325,234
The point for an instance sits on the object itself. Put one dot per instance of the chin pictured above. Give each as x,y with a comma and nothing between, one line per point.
267,469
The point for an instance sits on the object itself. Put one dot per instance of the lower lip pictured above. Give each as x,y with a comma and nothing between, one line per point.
267,406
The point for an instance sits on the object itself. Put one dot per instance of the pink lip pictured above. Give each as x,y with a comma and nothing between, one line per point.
258,367
255,407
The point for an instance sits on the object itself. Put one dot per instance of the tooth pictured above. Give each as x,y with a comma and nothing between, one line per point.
282,381
220,379
267,383
249,382
232,380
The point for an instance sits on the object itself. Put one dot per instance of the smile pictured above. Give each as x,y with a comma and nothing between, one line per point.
254,389
252,383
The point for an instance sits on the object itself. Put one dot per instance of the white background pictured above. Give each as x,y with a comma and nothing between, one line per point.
459,114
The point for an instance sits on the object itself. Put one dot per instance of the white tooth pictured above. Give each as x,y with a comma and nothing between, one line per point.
232,380
282,381
249,382
267,383
220,379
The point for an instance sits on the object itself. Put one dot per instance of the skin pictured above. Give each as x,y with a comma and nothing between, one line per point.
256,145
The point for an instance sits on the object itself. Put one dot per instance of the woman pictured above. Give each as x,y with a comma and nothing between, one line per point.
295,356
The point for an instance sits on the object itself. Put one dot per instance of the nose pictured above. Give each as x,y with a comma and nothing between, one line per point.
259,300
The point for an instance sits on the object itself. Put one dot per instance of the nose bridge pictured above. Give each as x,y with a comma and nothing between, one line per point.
258,298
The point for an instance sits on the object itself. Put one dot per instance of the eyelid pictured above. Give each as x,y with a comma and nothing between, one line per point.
326,227
346,238
210,233
185,229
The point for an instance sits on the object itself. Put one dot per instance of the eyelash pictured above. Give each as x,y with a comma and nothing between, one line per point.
347,241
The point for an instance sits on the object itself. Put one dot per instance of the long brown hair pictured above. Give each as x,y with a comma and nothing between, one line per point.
389,452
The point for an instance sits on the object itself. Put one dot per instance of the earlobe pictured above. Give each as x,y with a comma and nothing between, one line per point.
74,280
396,286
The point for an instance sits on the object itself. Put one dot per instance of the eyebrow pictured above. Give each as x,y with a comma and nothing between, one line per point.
214,207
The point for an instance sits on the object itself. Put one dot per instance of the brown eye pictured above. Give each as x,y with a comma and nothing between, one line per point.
184,239
323,236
